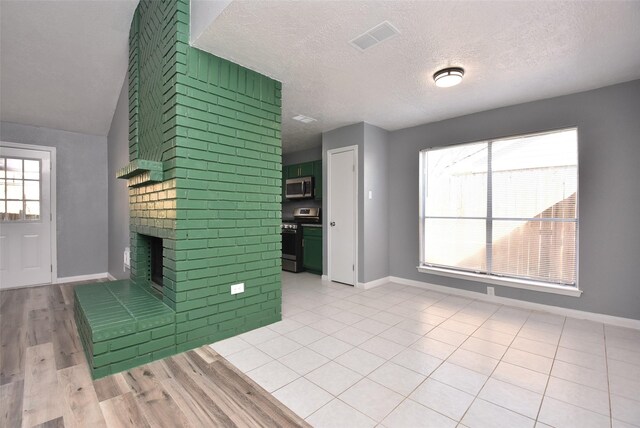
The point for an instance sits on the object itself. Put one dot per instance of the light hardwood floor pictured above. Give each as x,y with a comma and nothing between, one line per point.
45,381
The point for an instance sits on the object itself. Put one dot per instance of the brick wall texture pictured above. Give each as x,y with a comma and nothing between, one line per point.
215,126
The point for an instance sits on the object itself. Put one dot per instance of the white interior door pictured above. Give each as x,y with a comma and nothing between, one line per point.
25,217
342,219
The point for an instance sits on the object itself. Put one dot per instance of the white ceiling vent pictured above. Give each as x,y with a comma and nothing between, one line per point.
304,119
374,36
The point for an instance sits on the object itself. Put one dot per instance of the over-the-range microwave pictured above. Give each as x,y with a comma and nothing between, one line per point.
299,188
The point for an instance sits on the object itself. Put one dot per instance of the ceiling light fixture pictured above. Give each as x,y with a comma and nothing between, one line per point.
448,77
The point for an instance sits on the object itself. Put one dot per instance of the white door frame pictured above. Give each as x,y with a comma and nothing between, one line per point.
53,229
353,148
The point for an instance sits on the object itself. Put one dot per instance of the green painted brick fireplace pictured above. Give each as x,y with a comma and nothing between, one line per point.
205,177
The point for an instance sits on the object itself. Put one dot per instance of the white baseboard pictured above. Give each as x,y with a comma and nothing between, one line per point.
111,277
79,278
325,277
374,283
574,313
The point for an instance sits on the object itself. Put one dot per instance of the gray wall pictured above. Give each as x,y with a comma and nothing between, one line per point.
118,195
81,188
375,216
351,135
302,156
608,122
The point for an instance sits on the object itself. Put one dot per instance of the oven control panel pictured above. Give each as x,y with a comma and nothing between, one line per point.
307,215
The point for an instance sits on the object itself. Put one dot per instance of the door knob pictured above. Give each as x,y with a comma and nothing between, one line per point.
333,223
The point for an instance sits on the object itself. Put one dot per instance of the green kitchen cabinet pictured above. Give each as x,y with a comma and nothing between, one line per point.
289,171
317,180
312,249
306,169
300,170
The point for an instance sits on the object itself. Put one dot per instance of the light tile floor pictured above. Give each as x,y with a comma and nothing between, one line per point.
400,356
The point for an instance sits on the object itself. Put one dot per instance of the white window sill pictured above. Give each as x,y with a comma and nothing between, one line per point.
565,290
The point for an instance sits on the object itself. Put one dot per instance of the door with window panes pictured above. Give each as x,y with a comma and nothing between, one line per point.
25,217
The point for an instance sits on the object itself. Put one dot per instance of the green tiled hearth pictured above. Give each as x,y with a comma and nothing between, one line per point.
122,325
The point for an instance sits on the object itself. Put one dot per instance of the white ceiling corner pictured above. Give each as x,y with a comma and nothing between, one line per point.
203,13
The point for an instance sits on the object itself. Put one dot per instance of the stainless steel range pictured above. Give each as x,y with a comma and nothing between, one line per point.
291,247
292,237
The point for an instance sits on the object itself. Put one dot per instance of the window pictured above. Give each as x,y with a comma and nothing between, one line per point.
505,208
19,189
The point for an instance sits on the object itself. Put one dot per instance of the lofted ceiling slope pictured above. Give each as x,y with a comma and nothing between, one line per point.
63,62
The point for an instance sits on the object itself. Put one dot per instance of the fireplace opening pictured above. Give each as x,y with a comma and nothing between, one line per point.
155,246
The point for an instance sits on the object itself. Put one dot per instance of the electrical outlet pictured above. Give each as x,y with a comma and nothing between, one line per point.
237,288
491,291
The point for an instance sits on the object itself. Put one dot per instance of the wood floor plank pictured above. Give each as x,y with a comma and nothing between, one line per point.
68,349
13,345
262,408
189,404
140,379
213,404
38,298
45,380
56,298
207,354
39,327
11,404
12,301
265,409
239,399
81,399
54,423
123,412
13,335
110,386
42,400
5,300
159,370
160,409
67,293
157,405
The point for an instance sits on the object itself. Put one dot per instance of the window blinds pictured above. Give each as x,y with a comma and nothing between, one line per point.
505,207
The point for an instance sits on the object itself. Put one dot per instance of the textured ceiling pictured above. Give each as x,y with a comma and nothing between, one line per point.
62,63
512,52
